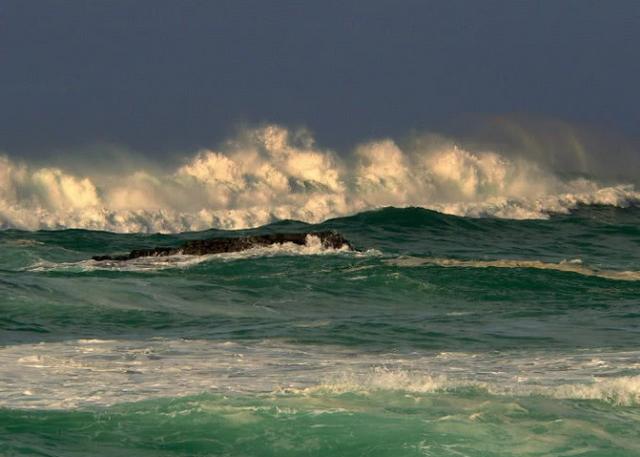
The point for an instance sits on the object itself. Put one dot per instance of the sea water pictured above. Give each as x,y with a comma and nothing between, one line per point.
441,336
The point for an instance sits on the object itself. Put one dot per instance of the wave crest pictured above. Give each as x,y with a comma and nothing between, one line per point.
272,173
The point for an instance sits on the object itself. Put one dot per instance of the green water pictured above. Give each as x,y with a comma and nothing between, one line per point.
443,336
380,424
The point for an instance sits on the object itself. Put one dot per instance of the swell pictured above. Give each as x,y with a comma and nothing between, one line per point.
424,279
271,173
601,238
325,298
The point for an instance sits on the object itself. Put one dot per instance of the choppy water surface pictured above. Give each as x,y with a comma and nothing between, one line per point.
443,336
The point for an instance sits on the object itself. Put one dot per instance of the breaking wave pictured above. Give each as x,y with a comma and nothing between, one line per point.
622,390
271,173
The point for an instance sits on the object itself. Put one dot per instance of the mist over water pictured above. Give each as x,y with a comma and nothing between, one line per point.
273,173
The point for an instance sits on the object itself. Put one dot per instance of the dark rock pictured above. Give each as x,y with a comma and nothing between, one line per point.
220,245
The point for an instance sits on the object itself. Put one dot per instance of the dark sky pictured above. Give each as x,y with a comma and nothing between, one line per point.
163,76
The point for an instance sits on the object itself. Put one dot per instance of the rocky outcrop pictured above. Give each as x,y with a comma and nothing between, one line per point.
221,245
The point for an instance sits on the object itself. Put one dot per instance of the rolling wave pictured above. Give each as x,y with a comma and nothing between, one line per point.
272,173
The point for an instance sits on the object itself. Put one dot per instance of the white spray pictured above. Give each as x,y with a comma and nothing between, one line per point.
271,173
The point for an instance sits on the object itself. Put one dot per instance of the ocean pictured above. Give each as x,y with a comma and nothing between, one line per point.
442,335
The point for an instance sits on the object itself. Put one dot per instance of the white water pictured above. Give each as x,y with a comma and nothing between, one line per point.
313,246
272,173
80,373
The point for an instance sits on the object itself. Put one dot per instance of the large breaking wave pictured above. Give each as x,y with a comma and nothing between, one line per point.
272,173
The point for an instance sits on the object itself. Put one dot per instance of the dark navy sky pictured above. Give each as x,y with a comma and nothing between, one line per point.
164,76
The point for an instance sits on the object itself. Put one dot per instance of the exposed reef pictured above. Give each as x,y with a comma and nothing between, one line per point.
329,240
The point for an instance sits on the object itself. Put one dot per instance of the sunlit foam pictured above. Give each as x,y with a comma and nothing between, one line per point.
272,173
88,372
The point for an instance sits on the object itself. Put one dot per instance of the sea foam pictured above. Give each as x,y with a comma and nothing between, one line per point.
90,372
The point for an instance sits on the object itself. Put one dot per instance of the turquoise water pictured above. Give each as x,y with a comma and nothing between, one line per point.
442,336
